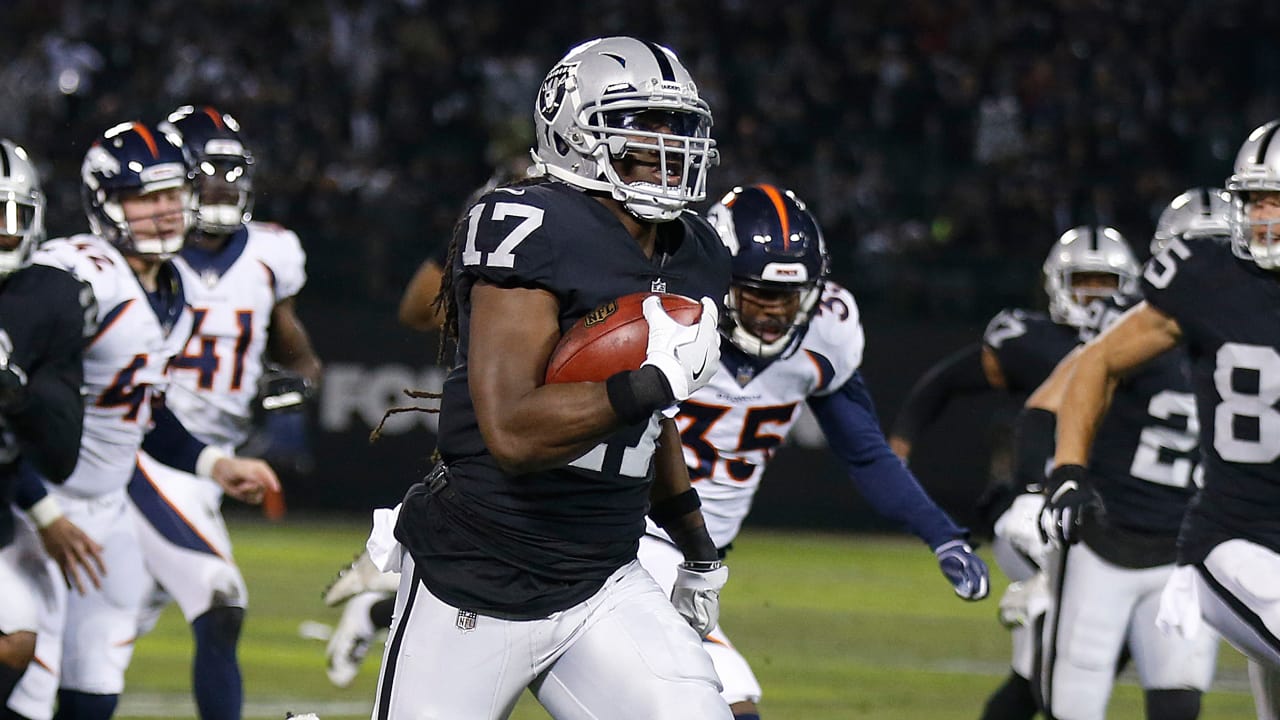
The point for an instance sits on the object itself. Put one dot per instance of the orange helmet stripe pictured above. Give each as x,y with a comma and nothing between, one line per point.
213,115
148,138
776,198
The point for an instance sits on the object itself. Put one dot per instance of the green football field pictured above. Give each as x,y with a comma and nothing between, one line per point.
836,627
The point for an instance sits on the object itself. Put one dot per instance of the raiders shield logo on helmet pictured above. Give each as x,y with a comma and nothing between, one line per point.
554,87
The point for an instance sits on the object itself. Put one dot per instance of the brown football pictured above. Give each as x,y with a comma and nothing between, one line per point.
612,338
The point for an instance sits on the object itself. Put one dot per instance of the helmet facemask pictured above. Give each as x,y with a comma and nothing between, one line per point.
21,228
123,232
224,194
745,333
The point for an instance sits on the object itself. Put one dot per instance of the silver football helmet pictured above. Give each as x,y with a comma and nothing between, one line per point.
21,208
1197,213
618,96
1086,250
1257,169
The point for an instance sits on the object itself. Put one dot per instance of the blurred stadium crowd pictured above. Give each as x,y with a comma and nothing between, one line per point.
945,143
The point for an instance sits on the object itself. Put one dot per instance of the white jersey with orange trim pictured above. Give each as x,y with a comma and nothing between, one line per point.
732,427
232,293
125,361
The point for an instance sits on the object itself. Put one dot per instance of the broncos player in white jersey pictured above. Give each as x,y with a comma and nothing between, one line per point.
240,279
1220,300
137,196
789,336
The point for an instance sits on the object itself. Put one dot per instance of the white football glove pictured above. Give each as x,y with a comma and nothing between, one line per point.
696,596
686,355
1020,525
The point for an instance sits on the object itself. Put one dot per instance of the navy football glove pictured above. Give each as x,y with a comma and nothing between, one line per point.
1071,498
964,569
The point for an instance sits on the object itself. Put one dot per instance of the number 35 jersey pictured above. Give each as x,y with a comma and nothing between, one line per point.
232,293
732,427
125,361
1229,313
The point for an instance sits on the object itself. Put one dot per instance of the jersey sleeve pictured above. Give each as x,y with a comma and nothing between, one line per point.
1027,345
285,258
510,240
1169,279
88,263
836,341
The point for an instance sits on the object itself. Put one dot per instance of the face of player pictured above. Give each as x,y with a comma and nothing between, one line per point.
1263,210
156,215
1088,285
766,313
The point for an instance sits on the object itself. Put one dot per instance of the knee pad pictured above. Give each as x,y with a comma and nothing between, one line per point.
1173,704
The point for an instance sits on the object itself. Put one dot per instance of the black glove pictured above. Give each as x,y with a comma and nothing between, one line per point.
1071,498
284,390
13,381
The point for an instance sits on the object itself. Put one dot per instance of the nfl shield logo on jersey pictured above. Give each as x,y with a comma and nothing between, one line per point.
466,621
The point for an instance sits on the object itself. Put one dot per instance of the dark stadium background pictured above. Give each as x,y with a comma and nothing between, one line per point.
944,145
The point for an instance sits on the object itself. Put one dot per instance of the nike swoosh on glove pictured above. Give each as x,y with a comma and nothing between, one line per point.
686,355
696,595
1071,498
966,571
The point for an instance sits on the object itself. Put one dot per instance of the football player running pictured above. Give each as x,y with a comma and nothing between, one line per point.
137,194
1220,300
519,548
789,336
1105,590
1018,351
240,279
41,414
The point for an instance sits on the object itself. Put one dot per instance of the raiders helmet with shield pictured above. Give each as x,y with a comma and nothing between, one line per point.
21,207
615,97
1086,250
1257,169
1196,213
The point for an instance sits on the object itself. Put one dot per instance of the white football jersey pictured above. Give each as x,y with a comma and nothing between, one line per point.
124,362
732,427
231,293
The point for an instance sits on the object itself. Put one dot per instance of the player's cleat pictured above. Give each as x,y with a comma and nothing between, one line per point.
308,716
351,637
358,577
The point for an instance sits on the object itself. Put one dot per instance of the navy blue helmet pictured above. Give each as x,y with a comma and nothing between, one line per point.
223,167
131,159
777,247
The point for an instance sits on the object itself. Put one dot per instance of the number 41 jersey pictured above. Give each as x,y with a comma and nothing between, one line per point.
232,293
124,362
1229,313
732,427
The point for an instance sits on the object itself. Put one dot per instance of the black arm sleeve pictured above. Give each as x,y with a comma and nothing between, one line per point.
169,442
49,422
960,373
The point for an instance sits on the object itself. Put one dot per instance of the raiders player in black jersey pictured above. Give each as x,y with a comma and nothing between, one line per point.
1018,351
1222,301
42,336
519,567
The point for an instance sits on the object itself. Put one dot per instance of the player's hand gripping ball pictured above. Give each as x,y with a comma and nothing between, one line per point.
612,338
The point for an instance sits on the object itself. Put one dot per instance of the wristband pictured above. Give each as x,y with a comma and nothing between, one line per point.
637,394
702,565
45,512
209,457
668,510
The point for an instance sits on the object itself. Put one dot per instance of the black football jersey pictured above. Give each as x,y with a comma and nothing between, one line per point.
1028,346
1229,313
1146,451
533,544
43,311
